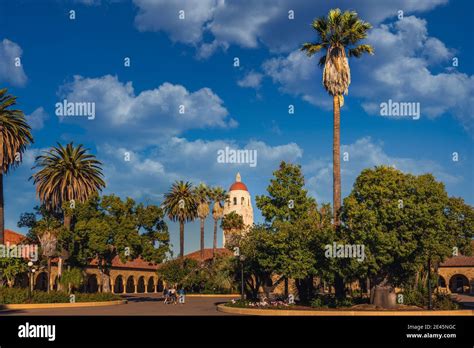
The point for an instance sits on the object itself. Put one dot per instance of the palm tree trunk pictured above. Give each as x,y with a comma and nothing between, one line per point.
214,245
202,239
2,217
336,151
181,239
67,225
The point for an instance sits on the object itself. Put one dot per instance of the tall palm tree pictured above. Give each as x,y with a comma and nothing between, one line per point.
337,33
180,205
67,174
219,195
201,193
15,136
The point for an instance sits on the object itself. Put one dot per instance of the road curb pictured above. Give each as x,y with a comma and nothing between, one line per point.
215,295
60,305
283,312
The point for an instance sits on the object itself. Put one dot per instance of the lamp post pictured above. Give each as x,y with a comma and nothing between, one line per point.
30,264
242,259
31,271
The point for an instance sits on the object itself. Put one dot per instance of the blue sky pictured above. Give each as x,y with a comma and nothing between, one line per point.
190,62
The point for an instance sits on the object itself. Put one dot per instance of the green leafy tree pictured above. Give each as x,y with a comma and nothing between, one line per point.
404,222
259,265
178,271
338,32
45,228
286,245
72,279
154,232
12,267
180,205
15,136
202,196
287,199
233,224
109,227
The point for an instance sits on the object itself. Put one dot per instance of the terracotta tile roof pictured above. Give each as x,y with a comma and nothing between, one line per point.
196,255
16,238
459,261
13,237
136,263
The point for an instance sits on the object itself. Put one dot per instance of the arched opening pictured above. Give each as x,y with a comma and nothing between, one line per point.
118,285
151,285
141,284
235,200
41,282
160,287
441,282
459,284
242,201
130,288
92,284
21,281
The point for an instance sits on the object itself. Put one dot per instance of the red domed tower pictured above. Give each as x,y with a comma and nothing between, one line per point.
240,201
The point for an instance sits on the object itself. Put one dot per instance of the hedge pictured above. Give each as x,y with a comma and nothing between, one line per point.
16,295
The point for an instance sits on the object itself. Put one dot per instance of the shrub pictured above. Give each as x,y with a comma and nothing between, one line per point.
330,301
73,277
15,296
419,297
444,302
209,277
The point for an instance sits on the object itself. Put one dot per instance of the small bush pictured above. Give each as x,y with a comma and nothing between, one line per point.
444,302
330,301
419,298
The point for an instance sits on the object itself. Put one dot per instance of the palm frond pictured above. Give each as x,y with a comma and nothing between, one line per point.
359,50
65,174
15,133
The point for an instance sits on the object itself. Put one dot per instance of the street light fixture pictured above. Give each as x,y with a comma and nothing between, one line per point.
31,271
241,259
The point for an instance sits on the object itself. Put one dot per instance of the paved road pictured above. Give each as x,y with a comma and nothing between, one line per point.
466,300
143,304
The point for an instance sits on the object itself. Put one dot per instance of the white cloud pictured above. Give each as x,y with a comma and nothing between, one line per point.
298,75
251,80
148,115
36,118
163,15
249,23
401,70
176,158
9,71
365,153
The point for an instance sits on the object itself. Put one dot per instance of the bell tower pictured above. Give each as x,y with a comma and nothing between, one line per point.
240,202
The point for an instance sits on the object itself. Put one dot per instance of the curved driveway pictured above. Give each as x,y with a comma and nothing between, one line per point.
142,304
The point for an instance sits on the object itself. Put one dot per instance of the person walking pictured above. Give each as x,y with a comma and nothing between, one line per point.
166,295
